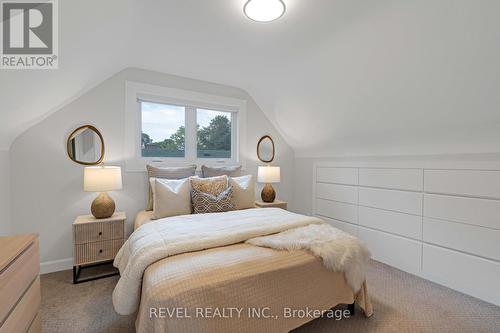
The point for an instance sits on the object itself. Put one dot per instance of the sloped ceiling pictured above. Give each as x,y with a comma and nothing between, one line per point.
336,77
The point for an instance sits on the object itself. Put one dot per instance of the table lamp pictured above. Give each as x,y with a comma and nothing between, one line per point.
102,179
268,175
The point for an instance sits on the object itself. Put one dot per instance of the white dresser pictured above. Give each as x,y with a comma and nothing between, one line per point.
440,221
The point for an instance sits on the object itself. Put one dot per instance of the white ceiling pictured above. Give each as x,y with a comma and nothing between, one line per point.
336,77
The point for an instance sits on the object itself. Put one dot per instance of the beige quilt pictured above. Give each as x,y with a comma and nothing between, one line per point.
243,277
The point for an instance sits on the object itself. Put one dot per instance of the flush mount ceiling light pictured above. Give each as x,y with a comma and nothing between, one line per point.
264,10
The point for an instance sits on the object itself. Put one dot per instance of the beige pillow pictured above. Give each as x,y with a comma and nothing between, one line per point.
243,191
171,197
230,171
213,185
168,173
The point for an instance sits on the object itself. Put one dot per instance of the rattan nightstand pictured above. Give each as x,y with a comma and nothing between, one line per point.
96,242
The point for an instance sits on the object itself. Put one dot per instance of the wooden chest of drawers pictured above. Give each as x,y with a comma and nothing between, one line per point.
19,284
96,241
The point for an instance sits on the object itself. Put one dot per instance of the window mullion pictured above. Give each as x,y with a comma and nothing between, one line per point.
234,138
191,134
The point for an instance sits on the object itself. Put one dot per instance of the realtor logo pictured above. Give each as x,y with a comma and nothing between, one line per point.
29,35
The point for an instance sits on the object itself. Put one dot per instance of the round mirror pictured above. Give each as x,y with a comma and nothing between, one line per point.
265,149
86,145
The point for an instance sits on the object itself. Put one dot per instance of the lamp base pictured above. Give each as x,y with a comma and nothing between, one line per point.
103,206
268,194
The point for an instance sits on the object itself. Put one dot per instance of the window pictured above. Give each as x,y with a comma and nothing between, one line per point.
163,130
214,134
176,126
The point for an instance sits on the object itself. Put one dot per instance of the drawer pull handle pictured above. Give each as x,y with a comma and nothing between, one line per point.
100,251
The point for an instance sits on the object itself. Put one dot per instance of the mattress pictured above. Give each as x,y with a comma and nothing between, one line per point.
240,288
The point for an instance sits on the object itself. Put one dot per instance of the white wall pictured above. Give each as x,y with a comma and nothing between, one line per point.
47,191
400,78
302,190
5,219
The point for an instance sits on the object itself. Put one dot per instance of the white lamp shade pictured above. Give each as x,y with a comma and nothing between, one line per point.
102,179
268,174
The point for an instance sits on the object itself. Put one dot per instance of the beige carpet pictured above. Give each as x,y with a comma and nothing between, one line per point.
402,303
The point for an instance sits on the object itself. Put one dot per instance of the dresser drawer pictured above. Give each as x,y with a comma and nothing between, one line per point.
25,311
98,231
17,277
97,251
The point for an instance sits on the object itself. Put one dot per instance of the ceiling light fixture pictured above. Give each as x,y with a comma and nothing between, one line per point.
264,10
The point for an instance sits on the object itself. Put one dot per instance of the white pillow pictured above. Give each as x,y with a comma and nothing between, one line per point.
171,197
243,191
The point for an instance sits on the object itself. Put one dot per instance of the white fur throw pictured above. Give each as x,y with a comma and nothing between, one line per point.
340,251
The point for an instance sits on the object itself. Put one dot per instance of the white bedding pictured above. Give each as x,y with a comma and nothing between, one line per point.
187,233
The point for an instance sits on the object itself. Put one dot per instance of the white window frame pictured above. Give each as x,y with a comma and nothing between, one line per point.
136,92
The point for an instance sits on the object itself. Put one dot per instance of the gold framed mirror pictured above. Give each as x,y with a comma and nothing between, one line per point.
85,145
265,149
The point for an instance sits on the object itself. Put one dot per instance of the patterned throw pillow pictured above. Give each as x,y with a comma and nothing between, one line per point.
207,203
212,185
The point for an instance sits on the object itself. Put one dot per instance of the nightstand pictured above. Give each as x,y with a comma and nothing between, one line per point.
275,203
96,242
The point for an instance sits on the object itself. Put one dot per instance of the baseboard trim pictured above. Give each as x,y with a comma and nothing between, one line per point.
56,265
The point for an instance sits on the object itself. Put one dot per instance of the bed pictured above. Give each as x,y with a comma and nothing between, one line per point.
239,287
